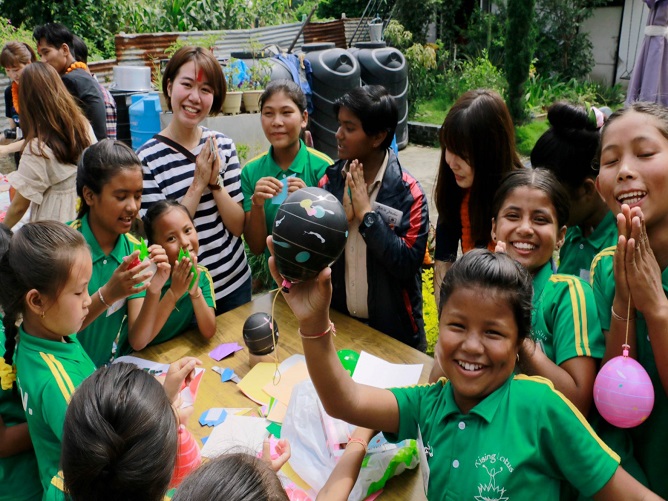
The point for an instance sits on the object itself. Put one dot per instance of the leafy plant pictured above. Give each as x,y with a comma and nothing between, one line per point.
397,36
562,48
519,48
259,71
429,310
231,73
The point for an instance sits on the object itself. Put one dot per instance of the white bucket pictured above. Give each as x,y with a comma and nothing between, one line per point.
376,31
132,78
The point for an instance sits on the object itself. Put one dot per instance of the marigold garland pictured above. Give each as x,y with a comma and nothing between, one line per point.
77,65
15,96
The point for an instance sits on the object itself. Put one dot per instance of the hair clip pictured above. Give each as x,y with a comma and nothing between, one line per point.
596,117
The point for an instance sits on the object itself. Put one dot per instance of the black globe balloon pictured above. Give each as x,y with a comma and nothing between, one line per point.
309,233
257,333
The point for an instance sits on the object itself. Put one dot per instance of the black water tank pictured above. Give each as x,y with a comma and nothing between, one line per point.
335,72
123,100
386,66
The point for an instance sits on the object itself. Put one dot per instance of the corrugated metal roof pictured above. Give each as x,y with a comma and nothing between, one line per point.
138,49
332,31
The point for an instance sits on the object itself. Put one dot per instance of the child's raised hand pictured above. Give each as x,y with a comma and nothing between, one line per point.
643,273
294,184
180,372
182,275
500,247
158,255
348,202
126,279
266,188
622,291
309,300
283,451
358,190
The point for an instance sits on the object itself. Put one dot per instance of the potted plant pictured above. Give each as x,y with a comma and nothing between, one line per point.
232,103
258,78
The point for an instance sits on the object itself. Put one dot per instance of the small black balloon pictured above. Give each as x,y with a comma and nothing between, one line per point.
310,232
257,333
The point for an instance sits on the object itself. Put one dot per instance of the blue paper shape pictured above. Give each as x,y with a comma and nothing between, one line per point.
212,417
226,375
204,439
280,197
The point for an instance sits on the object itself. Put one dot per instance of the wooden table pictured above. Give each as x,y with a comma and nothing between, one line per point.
350,334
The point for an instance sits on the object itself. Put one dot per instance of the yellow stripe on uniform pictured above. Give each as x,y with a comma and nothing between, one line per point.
207,275
608,251
60,375
575,410
76,224
320,155
58,481
579,312
133,239
257,157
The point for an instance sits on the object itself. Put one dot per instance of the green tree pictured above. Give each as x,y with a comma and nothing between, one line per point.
519,51
563,49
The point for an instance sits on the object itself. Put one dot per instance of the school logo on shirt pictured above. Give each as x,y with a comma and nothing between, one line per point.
493,465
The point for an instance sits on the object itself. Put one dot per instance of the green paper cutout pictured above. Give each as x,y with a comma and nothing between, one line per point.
274,429
185,254
143,249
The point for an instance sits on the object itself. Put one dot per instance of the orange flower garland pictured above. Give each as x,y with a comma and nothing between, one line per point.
15,96
77,64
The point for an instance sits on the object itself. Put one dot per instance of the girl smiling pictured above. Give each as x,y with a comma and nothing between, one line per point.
484,408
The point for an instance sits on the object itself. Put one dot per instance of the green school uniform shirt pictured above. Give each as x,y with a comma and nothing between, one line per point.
110,329
578,251
519,443
565,320
650,439
47,374
183,315
19,476
309,165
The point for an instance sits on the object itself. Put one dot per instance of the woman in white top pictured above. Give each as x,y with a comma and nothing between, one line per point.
56,132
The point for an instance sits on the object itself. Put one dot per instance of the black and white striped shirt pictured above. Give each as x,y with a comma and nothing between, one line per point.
169,174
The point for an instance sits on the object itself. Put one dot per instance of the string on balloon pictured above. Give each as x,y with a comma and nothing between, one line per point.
277,373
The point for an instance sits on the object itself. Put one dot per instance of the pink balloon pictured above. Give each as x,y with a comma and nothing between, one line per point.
623,392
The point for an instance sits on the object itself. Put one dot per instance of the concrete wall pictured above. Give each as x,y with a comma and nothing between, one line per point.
609,42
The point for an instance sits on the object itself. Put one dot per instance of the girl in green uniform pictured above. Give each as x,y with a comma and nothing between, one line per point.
531,209
289,160
631,279
187,297
568,149
124,293
18,466
44,277
487,433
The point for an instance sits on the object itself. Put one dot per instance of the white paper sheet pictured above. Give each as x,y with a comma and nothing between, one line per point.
236,434
374,371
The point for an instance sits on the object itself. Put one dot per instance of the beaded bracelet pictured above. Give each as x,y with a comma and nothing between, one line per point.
99,294
331,329
619,317
355,440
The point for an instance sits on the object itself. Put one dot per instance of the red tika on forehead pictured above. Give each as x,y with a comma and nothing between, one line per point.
200,75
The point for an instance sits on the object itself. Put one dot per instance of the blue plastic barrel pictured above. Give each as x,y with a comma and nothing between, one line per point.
144,118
